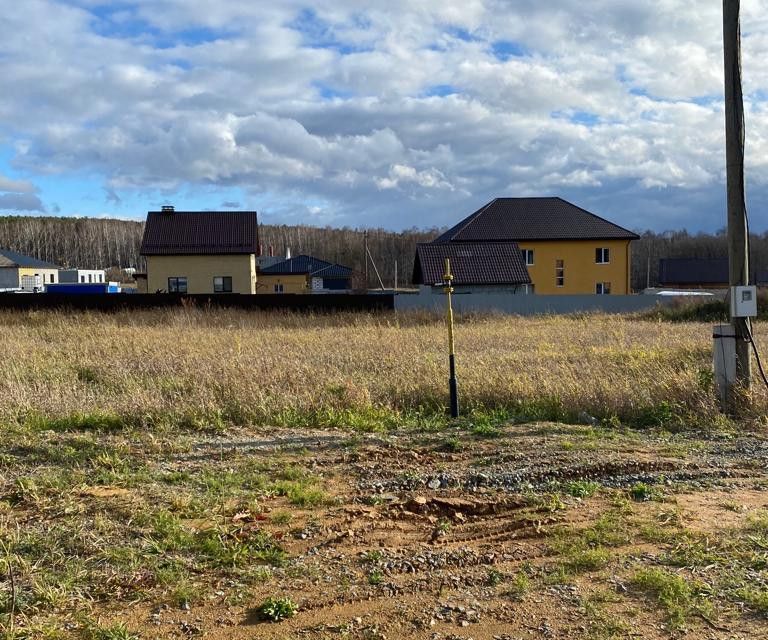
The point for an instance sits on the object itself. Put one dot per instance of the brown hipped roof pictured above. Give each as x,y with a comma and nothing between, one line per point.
472,263
518,219
200,233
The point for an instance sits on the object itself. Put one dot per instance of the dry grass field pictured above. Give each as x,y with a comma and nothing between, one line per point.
212,369
224,474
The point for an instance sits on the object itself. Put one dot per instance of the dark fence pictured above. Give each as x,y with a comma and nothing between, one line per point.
120,301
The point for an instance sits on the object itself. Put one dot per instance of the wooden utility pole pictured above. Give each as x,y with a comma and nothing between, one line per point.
395,289
365,256
738,239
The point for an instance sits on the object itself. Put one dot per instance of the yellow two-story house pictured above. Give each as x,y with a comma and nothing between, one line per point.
566,249
201,251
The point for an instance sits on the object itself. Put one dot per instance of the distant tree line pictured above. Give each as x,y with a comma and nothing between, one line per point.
94,243
651,247
87,243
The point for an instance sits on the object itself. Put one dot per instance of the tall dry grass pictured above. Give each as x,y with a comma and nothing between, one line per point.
209,368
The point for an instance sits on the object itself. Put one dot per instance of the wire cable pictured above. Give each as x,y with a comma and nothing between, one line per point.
750,338
745,276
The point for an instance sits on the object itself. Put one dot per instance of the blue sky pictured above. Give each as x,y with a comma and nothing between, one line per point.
358,113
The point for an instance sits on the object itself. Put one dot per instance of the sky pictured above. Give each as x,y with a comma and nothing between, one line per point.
397,114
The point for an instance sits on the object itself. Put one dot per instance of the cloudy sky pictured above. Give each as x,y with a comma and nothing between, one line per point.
368,113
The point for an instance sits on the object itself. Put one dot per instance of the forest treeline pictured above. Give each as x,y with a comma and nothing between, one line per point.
96,243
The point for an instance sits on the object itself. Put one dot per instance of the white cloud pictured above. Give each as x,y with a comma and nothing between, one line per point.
375,108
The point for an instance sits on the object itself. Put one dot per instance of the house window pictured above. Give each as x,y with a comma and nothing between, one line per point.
528,257
222,284
278,288
559,273
177,285
101,277
90,278
603,288
602,255
52,278
82,278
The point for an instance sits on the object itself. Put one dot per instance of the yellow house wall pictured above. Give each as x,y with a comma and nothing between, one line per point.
31,271
291,283
581,271
200,271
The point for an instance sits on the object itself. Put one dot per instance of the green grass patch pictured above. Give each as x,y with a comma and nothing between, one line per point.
678,595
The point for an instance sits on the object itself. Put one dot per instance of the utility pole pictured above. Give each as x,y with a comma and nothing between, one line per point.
648,269
738,239
365,256
395,289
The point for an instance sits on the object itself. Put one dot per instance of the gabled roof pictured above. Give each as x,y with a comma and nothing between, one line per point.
200,233
518,219
472,263
12,259
693,271
309,265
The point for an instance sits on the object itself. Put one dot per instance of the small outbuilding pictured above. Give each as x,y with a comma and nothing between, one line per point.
304,274
693,273
24,273
476,267
82,276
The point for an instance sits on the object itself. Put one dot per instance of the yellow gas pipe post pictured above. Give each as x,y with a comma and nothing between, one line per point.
452,384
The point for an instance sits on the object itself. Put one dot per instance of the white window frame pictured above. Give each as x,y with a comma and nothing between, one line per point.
602,255
528,257
602,288
279,287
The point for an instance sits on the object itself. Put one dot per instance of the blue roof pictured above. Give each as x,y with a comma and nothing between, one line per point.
13,259
310,265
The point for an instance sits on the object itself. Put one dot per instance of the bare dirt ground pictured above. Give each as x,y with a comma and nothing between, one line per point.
540,531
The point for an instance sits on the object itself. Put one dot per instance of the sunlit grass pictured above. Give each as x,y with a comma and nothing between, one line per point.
207,369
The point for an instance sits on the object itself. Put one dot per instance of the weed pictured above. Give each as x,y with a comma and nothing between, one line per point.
276,609
301,493
581,488
280,517
375,577
676,594
755,598
519,585
443,526
588,559
113,632
641,492
603,625
452,445
486,431
372,556
494,577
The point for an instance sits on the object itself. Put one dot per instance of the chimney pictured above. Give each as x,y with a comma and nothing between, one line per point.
168,208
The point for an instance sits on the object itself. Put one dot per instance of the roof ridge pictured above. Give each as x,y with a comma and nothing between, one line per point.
594,215
463,224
